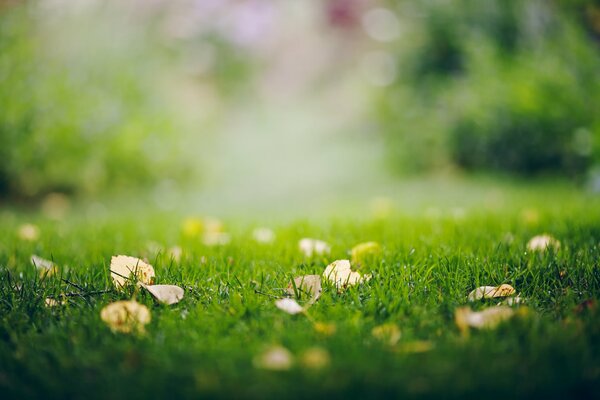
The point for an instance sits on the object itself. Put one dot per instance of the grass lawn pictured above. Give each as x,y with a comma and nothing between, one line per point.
206,345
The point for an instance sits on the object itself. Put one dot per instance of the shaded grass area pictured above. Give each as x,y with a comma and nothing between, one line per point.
204,345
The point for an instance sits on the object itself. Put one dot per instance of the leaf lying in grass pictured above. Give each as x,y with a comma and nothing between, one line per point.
276,358
513,301
126,316
290,306
28,232
263,235
364,251
486,319
340,273
310,247
45,267
167,294
123,267
542,243
315,358
310,284
387,333
325,329
489,292
51,302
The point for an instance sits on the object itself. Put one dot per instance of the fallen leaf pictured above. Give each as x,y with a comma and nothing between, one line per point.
126,316
340,273
309,284
415,346
489,292
45,267
28,232
325,329
364,251
513,301
123,267
51,302
168,294
542,243
290,306
486,319
315,358
263,235
276,358
310,247
388,333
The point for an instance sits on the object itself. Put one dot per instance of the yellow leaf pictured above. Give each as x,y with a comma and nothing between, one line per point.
364,251
489,292
168,294
340,273
315,358
192,227
309,284
387,333
276,358
542,243
123,267
126,316
310,247
325,329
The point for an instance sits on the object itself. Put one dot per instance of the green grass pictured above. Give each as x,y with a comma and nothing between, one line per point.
204,345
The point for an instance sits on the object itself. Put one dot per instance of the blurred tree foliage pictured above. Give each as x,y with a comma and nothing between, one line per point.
508,85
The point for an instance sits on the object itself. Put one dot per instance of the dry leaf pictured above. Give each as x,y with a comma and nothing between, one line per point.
45,267
168,294
513,301
276,358
488,292
310,247
387,333
310,284
542,243
123,267
290,306
126,316
28,232
486,319
315,358
51,302
340,273
363,251
263,235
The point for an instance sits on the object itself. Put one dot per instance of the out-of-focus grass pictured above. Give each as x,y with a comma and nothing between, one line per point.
204,346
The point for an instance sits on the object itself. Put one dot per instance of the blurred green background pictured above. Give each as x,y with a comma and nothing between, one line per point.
104,97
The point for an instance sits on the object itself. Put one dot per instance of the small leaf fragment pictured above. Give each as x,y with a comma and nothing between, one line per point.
310,247
45,267
325,329
489,292
167,294
486,319
28,232
543,243
263,235
388,333
276,358
289,306
126,316
364,251
123,267
340,273
315,358
309,284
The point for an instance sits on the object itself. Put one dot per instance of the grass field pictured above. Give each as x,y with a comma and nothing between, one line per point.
207,344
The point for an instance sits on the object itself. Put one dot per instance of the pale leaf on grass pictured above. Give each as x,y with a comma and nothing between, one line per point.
126,316
543,243
489,318
310,247
388,333
28,232
123,268
276,358
45,267
167,294
341,275
309,284
363,252
51,302
289,306
489,292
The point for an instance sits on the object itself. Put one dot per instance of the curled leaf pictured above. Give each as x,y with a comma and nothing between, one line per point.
276,358
123,267
489,292
126,316
45,267
309,284
340,273
542,243
387,333
486,319
167,294
364,251
310,247
290,306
